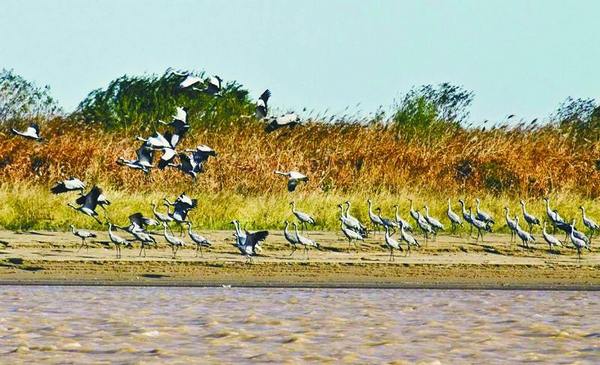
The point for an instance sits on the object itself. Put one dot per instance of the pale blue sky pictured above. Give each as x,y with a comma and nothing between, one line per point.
521,57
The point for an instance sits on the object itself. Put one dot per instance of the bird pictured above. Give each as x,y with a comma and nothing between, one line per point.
198,239
412,211
354,223
83,235
588,222
481,215
375,219
157,141
118,241
194,164
479,225
32,132
292,239
550,240
435,224
304,241
88,203
139,223
144,238
181,207
190,80
70,184
386,222
554,217
425,226
247,242
529,218
406,237
179,126
214,85
262,107
351,235
453,217
391,243
145,155
173,241
162,218
511,224
577,241
525,237
304,218
400,221
285,120
294,178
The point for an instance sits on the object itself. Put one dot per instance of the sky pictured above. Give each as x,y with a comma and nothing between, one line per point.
519,57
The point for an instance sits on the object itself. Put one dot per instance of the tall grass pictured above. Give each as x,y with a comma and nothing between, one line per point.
343,162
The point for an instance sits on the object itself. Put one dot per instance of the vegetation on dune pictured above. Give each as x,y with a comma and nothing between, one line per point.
424,151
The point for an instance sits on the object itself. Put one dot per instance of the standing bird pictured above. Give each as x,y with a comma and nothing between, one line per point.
247,242
435,224
453,217
162,218
83,235
550,240
173,241
511,224
262,107
525,237
406,237
199,240
400,221
118,241
32,132
391,243
425,226
304,241
88,203
285,120
351,235
294,178
479,225
578,242
588,222
354,223
529,218
71,184
466,215
481,215
144,238
292,239
412,211
386,222
554,217
301,216
375,219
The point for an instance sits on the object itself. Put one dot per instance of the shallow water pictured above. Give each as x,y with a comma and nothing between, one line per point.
210,325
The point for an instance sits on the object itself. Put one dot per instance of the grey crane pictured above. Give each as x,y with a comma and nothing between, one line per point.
511,224
466,215
187,165
412,211
138,223
161,217
201,154
179,126
189,81
83,234
354,222
351,235
553,215
247,242
386,222
143,161
304,218
181,207
550,240
481,215
391,243
304,241
400,221
425,227
479,225
173,241
588,222
285,120
116,240
454,218
525,237
32,132
529,218
406,237
291,238
214,85
435,224
70,184
350,224
262,107
375,219
157,141
88,203
198,239
577,241
145,240
293,177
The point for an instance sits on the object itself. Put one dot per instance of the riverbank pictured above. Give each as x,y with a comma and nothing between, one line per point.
51,258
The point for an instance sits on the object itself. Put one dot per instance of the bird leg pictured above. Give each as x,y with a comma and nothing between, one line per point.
293,250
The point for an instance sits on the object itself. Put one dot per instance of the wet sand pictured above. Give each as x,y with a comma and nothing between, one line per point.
450,262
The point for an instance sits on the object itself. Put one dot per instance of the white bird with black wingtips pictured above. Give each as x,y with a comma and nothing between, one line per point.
293,177
32,132
70,184
262,106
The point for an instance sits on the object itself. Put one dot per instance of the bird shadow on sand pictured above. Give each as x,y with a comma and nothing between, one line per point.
154,276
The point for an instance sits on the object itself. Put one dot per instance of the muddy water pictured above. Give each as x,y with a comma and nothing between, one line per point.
227,325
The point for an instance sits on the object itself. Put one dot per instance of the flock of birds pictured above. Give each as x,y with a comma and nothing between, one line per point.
192,162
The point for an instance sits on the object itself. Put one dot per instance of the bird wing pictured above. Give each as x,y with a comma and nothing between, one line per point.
265,96
137,219
189,81
91,199
166,158
59,188
35,128
254,238
145,155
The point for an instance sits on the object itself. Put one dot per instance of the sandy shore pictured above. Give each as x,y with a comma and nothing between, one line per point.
52,258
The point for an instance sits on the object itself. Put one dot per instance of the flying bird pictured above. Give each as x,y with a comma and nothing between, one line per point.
285,120
294,178
32,132
88,203
262,107
70,184
143,161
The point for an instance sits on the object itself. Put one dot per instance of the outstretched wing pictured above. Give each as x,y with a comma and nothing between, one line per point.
254,238
91,199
